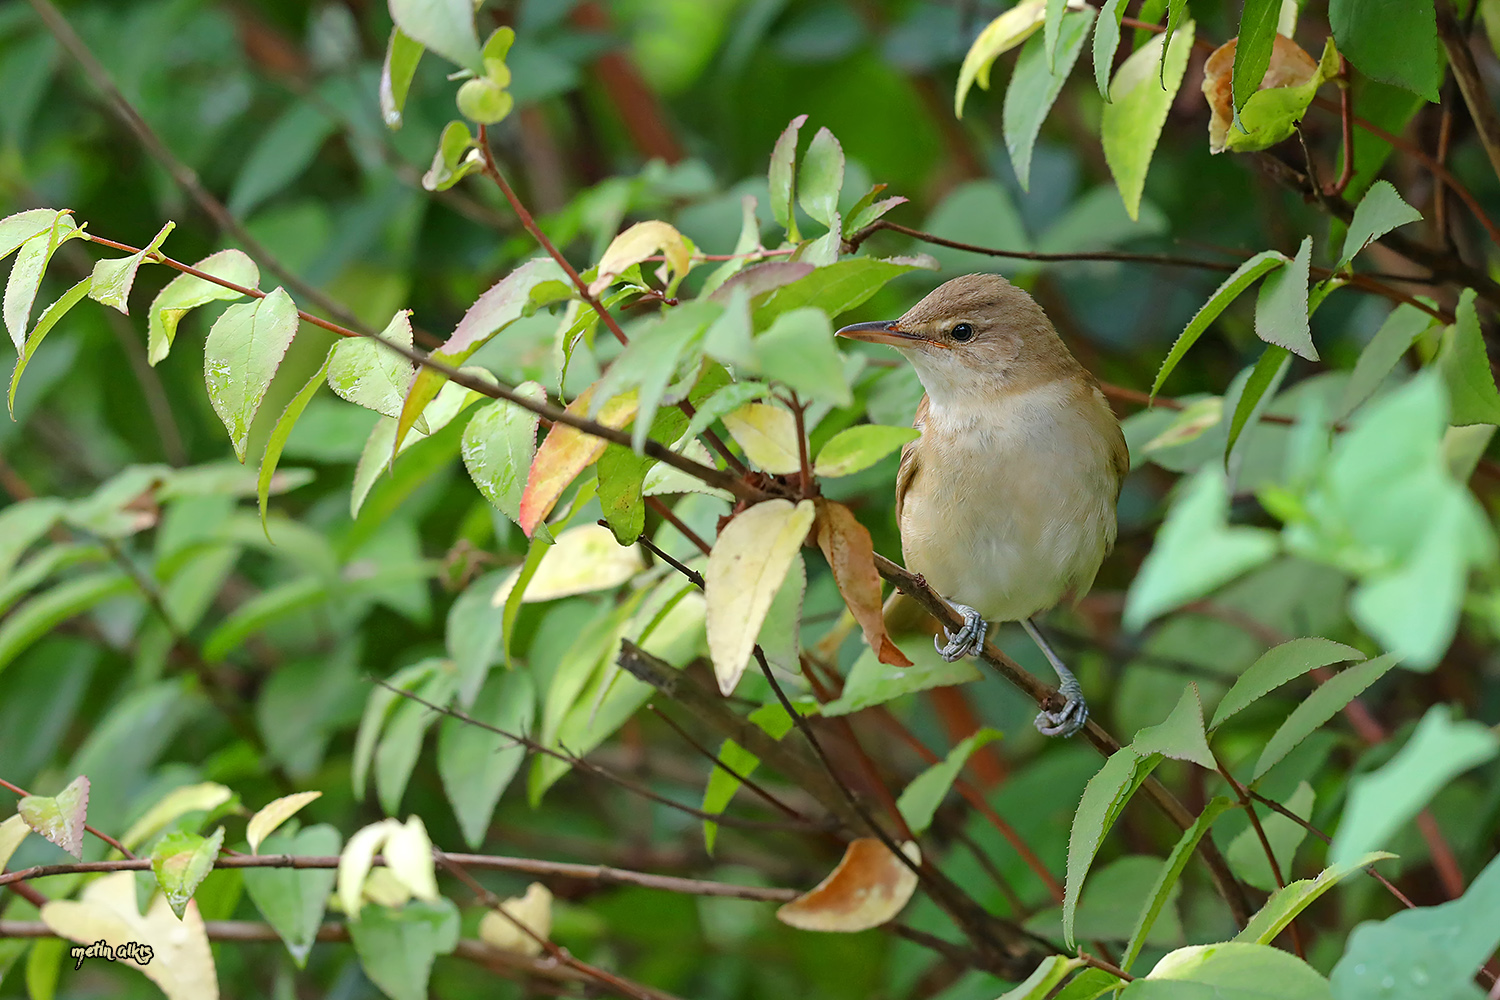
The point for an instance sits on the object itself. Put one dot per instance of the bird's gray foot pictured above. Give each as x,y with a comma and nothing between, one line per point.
967,641
1075,711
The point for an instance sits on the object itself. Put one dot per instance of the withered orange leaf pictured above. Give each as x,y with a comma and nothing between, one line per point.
869,887
847,547
567,451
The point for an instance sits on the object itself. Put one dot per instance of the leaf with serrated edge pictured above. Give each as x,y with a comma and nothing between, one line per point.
1043,979
768,434
779,176
44,324
172,952
1132,121
243,351
186,292
367,373
1320,706
60,817
1285,903
1227,292
1379,211
1104,798
498,445
181,861
564,453
1170,873
271,457
821,177
869,887
114,277
1180,735
1036,83
26,273
1276,667
273,814
1281,307
749,560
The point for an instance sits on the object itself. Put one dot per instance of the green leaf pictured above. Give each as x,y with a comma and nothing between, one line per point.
40,615
283,430
1090,984
186,292
1394,338
113,278
401,739
1392,41
1104,798
1320,706
1230,971
498,444
444,26
652,359
1242,278
21,524
1266,376
267,607
59,818
1281,308
1380,210
475,764
26,273
1247,855
452,160
871,682
1429,951
998,37
1043,979
1106,41
822,178
1177,861
44,325
1252,51
857,448
1052,21
867,209
1196,551
1465,367
798,351
44,967
1139,102
484,101
204,798
776,723
18,228
401,57
1180,735
920,800
1284,904
835,289
367,373
783,163
1271,114
244,349
474,630
1383,800
181,861
396,948
1041,70
293,900
1276,667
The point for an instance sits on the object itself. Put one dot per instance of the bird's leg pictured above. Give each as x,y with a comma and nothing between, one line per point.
1075,711
968,640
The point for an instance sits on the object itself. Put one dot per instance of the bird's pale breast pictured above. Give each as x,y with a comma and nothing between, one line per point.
1013,504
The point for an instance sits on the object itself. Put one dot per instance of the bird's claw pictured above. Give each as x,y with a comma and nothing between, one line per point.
1070,718
967,641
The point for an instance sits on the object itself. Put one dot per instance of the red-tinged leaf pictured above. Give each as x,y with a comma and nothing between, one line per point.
868,888
60,817
847,547
565,452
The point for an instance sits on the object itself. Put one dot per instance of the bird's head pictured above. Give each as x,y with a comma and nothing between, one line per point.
973,337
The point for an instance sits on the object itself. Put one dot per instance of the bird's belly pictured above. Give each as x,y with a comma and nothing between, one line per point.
1007,534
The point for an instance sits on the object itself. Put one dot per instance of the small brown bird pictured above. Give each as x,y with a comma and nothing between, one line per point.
1007,501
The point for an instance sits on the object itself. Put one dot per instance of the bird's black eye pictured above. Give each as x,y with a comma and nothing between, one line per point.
962,332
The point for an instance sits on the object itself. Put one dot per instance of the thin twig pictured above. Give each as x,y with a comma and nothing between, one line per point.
1346,116
112,842
1265,845
1481,108
717,761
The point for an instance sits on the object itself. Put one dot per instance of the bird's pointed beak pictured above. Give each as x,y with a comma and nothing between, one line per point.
880,332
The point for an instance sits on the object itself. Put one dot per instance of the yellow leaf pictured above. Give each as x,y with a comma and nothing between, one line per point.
1001,35
567,451
636,244
408,852
356,860
275,813
869,887
172,953
12,832
745,569
768,434
584,559
534,910
176,803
